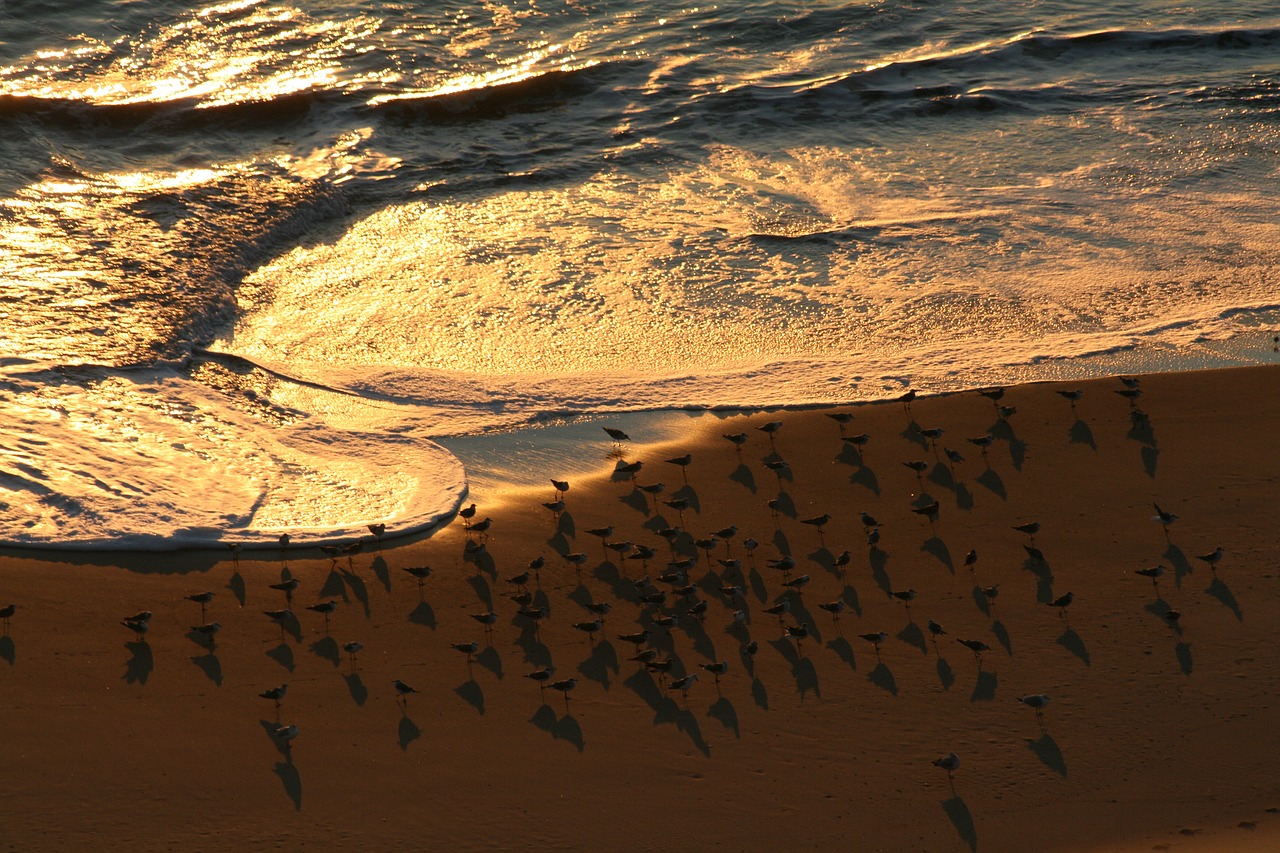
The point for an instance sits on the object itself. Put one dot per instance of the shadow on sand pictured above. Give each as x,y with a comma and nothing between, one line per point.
962,819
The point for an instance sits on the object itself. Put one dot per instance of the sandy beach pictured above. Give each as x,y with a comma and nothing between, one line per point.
1158,734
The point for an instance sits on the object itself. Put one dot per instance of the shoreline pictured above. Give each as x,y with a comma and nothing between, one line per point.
1148,739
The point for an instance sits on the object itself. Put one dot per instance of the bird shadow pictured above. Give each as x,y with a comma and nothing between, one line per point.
1140,429
962,819
482,590
566,528
7,650
568,729
137,669
598,664
334,587
490,660
984,689
283,655
642,683
743,476
282,746
381,572
1177,559
292,781
424,615
637,500
866,478
326,648
407,731
471,694
355,685
210,666
1002,636
946,676
844,651
758,587
1080,433
722,710
1150,457
1003,430
913,636
980,599
850,597
237,587
669,711
784,504
879,559
1072,642
1182,651
759,694
690,494
882,677
1222,592
1046,749
291,626
991,481
964,497
938,549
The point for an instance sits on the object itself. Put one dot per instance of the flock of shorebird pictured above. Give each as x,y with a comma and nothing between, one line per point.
672,597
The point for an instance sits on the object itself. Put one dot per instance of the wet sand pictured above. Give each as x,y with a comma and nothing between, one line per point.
1157,735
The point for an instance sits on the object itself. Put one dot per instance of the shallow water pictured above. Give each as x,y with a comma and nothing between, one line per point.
256,256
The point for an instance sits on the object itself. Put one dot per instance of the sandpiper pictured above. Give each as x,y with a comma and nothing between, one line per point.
275,694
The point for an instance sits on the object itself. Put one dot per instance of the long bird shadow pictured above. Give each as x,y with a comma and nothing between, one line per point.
637,500
866,478
602,659
913,636
645,687
407,732
7,650
844,651
355,685
210,666
490,660
1003,430
882,677
1046,749
964,497
722,709
1222,592
1002,636
1182,651
483,592
1177,559
237,587
759,694
937,548
326,648
991,481
1150,458
670,712
471,694
423,615
137,669
1080,433
291,780
962,819
879,559
283,655
850,597
1072,642
743,476
381,573
568,729
946,676
984,689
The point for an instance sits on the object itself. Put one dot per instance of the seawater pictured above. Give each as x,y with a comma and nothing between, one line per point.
259,260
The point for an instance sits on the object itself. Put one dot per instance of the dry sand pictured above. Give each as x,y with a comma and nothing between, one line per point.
1156,737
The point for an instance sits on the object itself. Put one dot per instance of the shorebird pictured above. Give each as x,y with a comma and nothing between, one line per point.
818,521
481,526
207,630
683,462
707,544
1131,381
280,617
617,435
324,608
1031,528
628,468
1036,701
982,442
561,486
949,763
402,691
653,490
782,607
589,628
977,647
859,441
638,639
600,608
750,649
667,622
8,610
684,684
1130,394
537,614
992,394
796,584
954,457
1071,396
716,669
730,565
698,609
522,598
201,598
418,573
843,419
1062,602
275,694
907,399
286,586
653,598
556,507
619,548
138,626
1007,412
935,631
929,511
796,632
541,676
869,521
1172,616
564,687
1212,559
1165,518
644,657
576,560
352,649
519,579
732,591
467,649
990,593
466,514
738,618
535,566
285,733
875,640
679,505
738,439
1155,573
933,434
770,429
486,619
971,559
235,548
906,596
842,560
834,608
918,466
377,530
